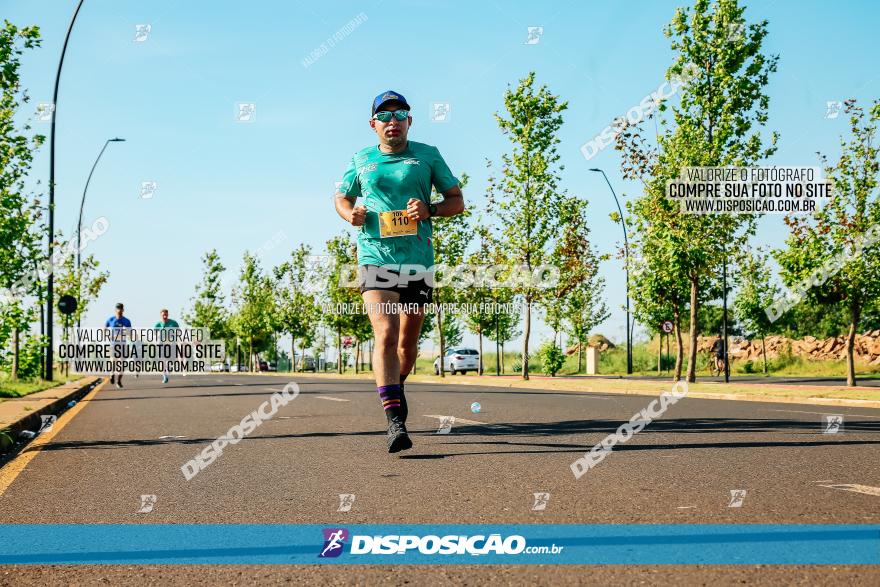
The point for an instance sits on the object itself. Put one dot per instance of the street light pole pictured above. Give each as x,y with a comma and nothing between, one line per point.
48,365
629,357
80,221
724,317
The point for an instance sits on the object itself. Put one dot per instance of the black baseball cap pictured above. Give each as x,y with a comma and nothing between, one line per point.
119,306
389,96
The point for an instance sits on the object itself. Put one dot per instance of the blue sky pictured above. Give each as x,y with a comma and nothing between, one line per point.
235,186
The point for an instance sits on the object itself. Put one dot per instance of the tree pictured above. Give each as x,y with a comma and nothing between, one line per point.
844,237
297,310
585,310
82,283
362,331
424,334
20,237
254,307
480,317
504,327
526,196
575,300
343,253
500,324
718,122
209,303
659,291
452,235
448,330
755,293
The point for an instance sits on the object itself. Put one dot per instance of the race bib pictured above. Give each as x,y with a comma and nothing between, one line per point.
396,223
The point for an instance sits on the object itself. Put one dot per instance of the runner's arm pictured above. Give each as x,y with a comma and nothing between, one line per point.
345,207
452,202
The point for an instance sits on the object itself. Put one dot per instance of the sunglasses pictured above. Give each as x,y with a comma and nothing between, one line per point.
385,116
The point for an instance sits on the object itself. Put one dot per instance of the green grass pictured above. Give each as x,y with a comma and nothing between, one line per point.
613,362
20,388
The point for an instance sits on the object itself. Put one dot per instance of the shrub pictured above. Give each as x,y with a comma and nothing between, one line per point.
551,357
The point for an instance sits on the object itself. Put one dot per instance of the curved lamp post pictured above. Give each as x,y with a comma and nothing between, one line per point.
80,221
629,358
48,363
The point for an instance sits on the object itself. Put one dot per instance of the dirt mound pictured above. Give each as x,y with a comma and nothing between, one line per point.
596,340
866,347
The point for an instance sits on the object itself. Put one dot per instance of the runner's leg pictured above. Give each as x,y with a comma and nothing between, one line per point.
386,363
408,348
386,328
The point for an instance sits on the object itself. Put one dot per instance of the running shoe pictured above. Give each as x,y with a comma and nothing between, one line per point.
398,439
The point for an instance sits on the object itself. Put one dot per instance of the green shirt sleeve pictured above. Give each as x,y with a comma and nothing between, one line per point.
441,176
351,185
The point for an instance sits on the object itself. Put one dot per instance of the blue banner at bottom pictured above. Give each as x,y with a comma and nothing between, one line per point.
746,544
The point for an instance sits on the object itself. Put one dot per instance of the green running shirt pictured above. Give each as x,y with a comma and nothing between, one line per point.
387,181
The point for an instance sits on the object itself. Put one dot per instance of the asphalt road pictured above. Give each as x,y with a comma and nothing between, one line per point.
330,440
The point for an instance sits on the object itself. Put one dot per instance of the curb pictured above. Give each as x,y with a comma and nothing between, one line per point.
32,421
821,401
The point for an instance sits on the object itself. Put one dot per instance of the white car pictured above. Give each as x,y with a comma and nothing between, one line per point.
458,360
234,368
220,368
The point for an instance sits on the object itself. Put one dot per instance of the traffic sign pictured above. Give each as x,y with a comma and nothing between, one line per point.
667,326
67,305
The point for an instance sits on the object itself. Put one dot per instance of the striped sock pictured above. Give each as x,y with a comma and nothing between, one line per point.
390,396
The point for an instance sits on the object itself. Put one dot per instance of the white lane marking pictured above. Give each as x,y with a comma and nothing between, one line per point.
824,413
457,419
685,507
332,399
170,437
855,488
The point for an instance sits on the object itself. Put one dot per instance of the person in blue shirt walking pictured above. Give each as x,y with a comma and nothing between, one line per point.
117,321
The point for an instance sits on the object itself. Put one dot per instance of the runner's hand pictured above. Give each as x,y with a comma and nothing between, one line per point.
358,215
416,210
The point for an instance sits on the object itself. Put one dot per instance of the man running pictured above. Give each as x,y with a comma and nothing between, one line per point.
118,321
395,179
165,322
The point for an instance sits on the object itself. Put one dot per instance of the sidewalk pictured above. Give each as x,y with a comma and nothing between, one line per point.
15,409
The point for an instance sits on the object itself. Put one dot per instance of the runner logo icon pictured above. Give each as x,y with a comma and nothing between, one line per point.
334,541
